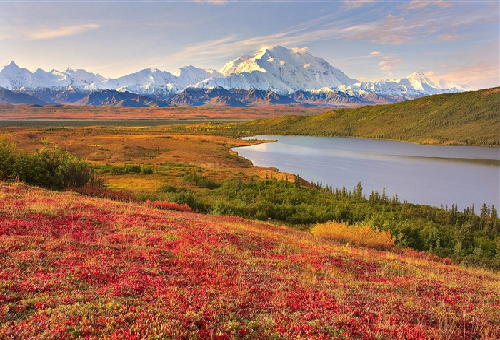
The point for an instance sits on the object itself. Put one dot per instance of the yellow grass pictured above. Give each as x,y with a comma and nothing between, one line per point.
358,235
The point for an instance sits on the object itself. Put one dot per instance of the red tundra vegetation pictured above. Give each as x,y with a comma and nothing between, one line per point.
74,266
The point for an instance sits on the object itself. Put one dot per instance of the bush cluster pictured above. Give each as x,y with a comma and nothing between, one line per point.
49,168
465,236
358,235
126,169
201,181
166,205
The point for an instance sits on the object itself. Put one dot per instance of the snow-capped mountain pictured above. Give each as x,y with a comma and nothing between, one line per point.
416,84
281,70
4,82
13,77
231,67
17,77
157,82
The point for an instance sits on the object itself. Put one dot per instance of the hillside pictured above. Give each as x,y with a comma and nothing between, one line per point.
9,97
470,118
74,266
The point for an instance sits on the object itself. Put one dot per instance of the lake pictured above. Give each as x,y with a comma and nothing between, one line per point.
421,174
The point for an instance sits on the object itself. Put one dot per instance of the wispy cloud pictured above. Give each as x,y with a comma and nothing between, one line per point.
448,36
357,3
63,31
231,45
214,2
392,30
419,4
388,62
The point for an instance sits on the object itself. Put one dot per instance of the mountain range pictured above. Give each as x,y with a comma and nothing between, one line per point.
273,75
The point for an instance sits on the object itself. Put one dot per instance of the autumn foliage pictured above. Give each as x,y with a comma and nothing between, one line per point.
169,205
356,234
74,266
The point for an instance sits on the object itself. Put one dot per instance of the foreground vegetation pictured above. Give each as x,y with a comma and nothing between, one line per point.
470,118
151,163
463,236
49,168
128,257
80,267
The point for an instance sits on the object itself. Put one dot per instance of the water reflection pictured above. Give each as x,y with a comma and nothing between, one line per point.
434,175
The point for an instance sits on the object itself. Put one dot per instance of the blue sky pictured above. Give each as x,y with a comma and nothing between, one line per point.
368,40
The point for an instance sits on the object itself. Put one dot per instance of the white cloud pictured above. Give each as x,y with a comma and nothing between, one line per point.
388,62
63,31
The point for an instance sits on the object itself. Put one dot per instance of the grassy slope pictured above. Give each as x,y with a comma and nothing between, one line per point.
471,118
76,266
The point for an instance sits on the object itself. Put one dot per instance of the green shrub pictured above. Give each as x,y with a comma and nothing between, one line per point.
201,181
187,197
7,160
132,169
147,170
49,168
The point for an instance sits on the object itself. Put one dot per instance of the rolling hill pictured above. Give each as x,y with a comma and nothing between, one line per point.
469,118
10,97
80,267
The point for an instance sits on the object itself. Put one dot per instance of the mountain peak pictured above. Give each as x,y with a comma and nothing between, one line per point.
280,48
280,69
417,75
12,65
231,67
300,50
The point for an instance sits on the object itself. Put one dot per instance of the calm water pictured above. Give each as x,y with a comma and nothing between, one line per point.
434,175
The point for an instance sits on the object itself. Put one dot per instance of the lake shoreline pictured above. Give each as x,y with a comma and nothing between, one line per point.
460,164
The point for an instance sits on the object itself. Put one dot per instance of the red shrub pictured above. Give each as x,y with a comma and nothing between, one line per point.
169,205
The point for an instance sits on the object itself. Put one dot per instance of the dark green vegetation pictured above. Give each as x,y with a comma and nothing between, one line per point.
446,232
125,169
470,118
48,168
462,236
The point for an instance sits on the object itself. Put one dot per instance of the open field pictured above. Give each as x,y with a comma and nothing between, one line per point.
75,267
27,112
171,155
165,163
